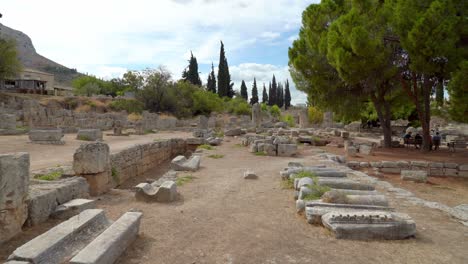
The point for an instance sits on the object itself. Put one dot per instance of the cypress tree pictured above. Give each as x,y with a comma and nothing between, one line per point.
274,93
279,95
225,87
243,91
211,84
254,98
270,93
191,74
287,96
264,95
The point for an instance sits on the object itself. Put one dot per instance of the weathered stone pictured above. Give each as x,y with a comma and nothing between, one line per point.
451,172
256,115
375,164
338,183
112,243
60,242
366,149
91,158
281,125
165,193
180,163
403,164
351,151
250,175
202,122
269,149
233,132
364,164
450,165
196,141
89,134
73,208
414,175
49,136
422,164
294,164
379,200
436,165
389,164
287,150
14,182
353,164
253,148
305,181
463,174
370,225
463,167
99,183
345,134
7,121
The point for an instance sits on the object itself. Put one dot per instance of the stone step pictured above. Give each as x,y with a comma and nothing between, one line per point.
59,243
111,243
73,208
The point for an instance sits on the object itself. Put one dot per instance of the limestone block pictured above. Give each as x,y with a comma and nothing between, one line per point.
287,150
112,243
390,170
422,164
304,182
89,134
250,175
403,164
436,165
180,163
463,174
196,141
233,132
353,164
253,148
203,122
414,175
49,136
345,134
463,167
451,172
340,183
7,121
450,165
366,149
351,151
436,172
270,149
99,183
14,182
375,164
91,158
389,164
364,164
73,208
377,199
165,193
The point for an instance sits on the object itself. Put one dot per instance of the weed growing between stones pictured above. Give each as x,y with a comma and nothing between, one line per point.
185,179
84,137
219,133
238,145
149,131
216,156
52,176
260,153
205,146
115,174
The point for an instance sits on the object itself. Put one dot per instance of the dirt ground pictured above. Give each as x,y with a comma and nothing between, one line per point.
45,156
222,218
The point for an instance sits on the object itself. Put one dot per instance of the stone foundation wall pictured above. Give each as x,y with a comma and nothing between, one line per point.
448,169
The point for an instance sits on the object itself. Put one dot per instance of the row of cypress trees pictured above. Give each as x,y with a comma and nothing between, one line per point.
278,94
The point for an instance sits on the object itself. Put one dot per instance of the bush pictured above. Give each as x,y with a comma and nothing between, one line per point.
264,107
315,115
289,119
275,111
206,102
52,176
129,105
134,117
238,106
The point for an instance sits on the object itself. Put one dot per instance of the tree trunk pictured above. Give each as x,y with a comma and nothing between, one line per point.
426,115
385,120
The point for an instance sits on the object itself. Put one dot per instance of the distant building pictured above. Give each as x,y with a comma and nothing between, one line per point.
35,82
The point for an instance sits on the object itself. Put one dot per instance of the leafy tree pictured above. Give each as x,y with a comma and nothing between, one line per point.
225,87
458,91
287,96
211,84
264,95
133,79
243,91
254,98
9,63
88,85
191,74
155,92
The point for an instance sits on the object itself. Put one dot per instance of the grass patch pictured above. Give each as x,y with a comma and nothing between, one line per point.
22,128
219,133
115,174
159,140
185,179
216,156
206,146
260,153
149,131
52,176
317,192
289,183
84,138
238,145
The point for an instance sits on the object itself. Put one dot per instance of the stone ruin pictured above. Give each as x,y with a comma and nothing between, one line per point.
89,135
349,209
46,136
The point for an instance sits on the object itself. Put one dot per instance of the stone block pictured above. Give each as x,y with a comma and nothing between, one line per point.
463,167
180,163
375,164
167,192
339,183
99,183
59,243
390,170
345,134
112,243
403,164
414,175
46,136
301,182
270,149
14,183
196,141
370,225
421,164
463,174
91,158
72,208
353,164
351,151
233,132
364,164
376,199
250,175
89,134
451,172
389,164
8,121
366,149
439,165
295,164
436,172
287,150
450,165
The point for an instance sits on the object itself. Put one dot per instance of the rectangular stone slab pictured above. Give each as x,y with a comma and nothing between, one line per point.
315,210
109,245
344,184
366,225
59,243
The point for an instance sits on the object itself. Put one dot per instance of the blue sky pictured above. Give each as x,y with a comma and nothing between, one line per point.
108,37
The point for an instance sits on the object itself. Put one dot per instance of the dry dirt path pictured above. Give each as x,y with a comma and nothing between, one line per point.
45,156
222,218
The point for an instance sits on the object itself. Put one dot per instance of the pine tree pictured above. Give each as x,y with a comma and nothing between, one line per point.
254,98
211,84
287,96
191,74
264,95
225,87
243,91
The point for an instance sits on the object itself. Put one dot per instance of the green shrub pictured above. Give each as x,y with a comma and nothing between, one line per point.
216,156
260,153
264,107
84,137
206,102
115,174
275,111
289,119
238,106
315,115
52,176
129,105
205,146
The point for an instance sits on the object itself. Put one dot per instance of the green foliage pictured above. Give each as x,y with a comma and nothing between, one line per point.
216,156
315,115
184,179
115,175
191,73
264,96
52,176
275,111
205,146
238,106
254,98
260,153
84,138
287,96
264,107
9,63
206,102
211,83
272,100
129,105
224,77
243,91
458,91
289,119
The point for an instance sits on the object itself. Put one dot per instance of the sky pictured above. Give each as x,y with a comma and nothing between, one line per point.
106,38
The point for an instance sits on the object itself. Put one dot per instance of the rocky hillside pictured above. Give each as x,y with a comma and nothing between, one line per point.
31,59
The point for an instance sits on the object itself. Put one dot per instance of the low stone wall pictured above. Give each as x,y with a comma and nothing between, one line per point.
449,169
138,159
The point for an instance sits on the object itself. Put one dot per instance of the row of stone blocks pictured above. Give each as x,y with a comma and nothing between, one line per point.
54,136
449,169
85,238
353,210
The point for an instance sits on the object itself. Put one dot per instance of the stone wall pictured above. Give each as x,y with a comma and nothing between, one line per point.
448,169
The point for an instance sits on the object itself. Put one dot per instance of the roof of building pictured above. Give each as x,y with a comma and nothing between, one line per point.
36,71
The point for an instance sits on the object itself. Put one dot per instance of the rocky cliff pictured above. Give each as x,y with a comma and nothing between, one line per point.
31,59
